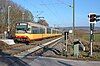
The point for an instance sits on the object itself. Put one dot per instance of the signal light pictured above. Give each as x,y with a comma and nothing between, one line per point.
92,18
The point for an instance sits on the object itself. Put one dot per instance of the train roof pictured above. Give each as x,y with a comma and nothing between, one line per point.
34,24
38,25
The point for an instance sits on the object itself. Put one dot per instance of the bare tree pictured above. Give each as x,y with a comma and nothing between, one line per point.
43,22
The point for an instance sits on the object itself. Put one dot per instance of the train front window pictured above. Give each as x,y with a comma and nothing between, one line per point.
21,28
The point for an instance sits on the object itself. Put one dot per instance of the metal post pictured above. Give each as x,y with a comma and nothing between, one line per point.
5,34
91,52
66,42
51,31
23,17
73,19
45,30
91,38
8,18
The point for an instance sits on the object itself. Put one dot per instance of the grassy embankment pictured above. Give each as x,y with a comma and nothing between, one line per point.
96,37
96,46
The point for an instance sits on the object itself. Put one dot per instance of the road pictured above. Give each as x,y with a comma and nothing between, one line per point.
47,61
44,61
7,60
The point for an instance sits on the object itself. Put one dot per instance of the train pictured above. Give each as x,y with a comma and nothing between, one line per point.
29,31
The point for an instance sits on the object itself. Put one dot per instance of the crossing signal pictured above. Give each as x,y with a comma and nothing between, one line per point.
92,18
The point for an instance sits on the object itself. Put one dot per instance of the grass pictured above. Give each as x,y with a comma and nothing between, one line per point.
96,37
96,46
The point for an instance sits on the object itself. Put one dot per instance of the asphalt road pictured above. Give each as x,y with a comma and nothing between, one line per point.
47,61
8,60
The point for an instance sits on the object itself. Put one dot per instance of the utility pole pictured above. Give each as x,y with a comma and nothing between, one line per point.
23,17
9,18
73,19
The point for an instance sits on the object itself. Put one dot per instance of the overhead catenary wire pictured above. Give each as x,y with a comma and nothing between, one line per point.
48,8
54,4
52,11
38,12
64,3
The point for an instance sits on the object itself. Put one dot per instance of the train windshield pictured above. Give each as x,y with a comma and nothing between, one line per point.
21,28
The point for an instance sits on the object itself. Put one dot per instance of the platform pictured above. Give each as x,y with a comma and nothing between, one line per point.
8,41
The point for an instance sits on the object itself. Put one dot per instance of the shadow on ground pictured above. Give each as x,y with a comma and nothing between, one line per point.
65,64
11,60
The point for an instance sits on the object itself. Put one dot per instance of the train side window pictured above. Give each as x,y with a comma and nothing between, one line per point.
35,30
42,30
54,31
48,31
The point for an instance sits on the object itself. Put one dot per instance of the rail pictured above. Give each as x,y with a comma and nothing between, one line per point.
23,54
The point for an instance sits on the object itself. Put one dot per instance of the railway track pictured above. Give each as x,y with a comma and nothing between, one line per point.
36,49
13,46
21,48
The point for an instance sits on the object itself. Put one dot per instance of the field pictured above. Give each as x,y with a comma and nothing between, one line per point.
96,37
85,38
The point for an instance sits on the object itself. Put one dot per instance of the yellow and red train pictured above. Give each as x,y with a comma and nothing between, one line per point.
28,31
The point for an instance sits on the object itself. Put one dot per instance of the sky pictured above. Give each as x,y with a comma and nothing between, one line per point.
58,13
